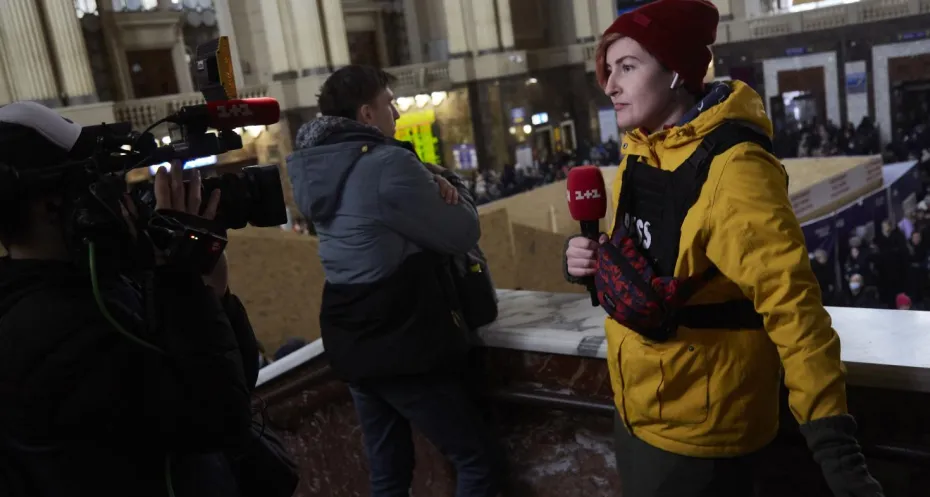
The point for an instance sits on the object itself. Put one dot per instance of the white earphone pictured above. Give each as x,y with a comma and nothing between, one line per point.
674,82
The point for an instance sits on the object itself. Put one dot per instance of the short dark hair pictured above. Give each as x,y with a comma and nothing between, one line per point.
351,87
22,148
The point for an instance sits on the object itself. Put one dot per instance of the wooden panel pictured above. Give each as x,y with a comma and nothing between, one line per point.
809,80
152,73
914,68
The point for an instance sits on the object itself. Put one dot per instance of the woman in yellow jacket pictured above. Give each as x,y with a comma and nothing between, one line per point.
704,220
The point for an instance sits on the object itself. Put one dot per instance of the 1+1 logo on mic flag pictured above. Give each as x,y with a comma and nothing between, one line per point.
233,110
584,195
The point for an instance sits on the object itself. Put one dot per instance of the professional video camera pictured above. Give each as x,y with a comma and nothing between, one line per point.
94,178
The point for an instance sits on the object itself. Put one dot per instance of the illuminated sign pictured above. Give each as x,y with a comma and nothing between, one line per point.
417,128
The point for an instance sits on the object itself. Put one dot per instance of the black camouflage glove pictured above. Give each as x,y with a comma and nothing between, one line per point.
832,441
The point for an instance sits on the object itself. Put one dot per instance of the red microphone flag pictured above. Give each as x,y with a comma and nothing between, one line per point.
230,114
587,196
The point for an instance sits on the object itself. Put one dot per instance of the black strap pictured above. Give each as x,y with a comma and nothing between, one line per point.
735,314
732,315
363,150
722,138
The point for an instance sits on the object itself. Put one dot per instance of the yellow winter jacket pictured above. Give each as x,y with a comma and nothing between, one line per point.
708,393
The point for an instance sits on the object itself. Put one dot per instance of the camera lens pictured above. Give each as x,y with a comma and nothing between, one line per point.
254,196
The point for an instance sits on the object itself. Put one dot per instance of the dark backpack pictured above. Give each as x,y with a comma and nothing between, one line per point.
476,293
642,294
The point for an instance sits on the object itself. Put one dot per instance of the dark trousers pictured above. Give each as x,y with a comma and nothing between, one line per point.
646,471
441,409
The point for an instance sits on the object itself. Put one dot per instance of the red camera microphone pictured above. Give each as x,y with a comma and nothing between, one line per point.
587,202
230,114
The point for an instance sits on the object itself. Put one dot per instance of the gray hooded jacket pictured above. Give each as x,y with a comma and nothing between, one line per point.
372,215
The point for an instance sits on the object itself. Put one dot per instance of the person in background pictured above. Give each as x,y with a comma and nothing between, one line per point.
826,276
861,296
902,302
890,262
692,410
857,263
917,266
906,224
388,226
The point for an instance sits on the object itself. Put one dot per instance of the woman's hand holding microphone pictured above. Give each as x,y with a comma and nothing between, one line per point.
581,256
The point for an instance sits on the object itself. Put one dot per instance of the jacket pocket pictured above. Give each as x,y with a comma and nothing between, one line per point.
667,383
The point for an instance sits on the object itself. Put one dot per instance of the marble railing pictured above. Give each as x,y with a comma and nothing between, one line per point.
881,348
547,393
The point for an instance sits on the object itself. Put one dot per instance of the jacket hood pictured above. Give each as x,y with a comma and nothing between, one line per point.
327,148
723,101
18,278
322,129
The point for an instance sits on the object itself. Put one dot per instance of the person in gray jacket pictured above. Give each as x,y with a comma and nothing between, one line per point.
388,227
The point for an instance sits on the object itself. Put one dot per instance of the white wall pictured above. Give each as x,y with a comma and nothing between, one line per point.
882,91
751,8
857,104
723,6
827,60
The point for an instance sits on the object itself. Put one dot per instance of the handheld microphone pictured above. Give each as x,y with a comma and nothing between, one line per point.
230,114
587,202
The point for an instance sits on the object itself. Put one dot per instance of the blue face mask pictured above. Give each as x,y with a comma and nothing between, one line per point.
855,286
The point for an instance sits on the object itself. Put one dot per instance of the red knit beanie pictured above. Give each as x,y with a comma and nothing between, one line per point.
677,33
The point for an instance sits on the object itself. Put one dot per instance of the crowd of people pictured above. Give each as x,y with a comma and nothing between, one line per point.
490,185
816,138
825,139
890,270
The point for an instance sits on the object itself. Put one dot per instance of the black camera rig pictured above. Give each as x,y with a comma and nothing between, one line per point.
93,179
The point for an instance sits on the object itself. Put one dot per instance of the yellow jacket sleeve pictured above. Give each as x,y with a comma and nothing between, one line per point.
755,240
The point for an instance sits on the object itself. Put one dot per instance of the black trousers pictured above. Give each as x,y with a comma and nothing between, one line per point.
646,471
443,411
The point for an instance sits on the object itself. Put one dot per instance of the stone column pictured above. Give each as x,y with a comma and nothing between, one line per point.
28,62
182,67
70,53
505,24
225,23
583,30
116,53
336,38
484,20
381,40
308,32
6,92
281,66
414,36
455,28
605,12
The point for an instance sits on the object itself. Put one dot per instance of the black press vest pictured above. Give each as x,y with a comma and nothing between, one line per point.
653,205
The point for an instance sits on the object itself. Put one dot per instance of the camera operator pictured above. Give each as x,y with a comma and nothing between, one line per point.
85,409
388,226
